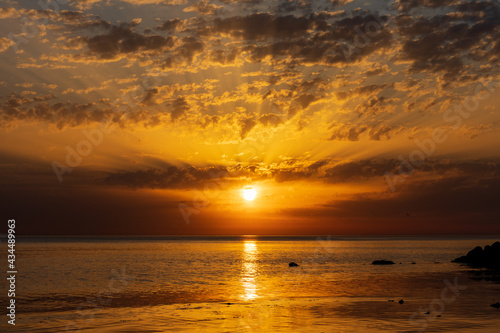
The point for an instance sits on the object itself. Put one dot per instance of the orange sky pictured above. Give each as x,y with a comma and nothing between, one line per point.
346,117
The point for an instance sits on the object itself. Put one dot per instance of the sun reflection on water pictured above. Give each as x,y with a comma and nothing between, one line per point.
249,270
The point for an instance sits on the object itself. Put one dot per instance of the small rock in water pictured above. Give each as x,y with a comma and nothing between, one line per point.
293,264
382,262
401,301
496,305
391,300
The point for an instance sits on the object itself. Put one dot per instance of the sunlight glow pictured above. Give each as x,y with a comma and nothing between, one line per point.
249,270
249,193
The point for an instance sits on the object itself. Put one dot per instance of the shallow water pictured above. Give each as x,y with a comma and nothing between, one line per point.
185,283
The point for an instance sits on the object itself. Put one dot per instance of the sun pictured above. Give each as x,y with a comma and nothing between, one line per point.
249,193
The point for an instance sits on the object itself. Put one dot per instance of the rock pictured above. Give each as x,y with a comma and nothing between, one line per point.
477,257
293,264
496,305
382,262
401,301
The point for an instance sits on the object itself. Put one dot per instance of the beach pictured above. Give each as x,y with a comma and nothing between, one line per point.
244,284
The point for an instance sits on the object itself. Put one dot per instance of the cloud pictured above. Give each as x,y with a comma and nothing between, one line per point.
121,40
270,120
261,26
171,177
179,108
457,174
450,44
406,5
5,43
246,126
345,132
203,7
9,12
170,25
443,206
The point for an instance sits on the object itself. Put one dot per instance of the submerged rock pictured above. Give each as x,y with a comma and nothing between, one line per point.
489,257
496,305
293,264
401,301
382,262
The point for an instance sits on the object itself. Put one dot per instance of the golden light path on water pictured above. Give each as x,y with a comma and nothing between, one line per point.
249,270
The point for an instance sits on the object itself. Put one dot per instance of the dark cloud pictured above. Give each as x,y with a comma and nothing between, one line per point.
17,109
331,171
364,90
170,25
305,100
270,120
171,177
373,132
246,126
69,15
224,57
261,26
312,39
187,51
348,133
450,44
359,170
180,107
122,39
406,5
374,105
444,206
203,7
149,96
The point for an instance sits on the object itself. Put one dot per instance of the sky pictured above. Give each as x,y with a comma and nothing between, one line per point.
153,117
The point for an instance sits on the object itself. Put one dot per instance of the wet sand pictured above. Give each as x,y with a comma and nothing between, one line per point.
338,314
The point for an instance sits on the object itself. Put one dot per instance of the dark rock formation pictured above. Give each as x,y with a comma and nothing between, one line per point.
382,262
489,257
293,264
401,301
496,305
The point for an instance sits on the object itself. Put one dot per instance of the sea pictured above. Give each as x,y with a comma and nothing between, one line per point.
245,284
